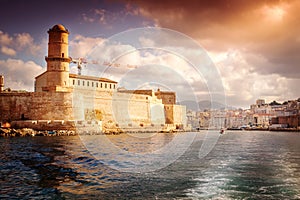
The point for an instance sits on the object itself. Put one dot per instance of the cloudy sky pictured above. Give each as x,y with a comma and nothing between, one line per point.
254,44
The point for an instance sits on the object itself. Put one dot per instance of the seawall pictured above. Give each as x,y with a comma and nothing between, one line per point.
35,106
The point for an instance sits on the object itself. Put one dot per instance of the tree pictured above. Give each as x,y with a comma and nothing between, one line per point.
274,103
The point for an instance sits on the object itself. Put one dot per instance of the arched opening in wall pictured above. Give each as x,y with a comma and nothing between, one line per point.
22,116
62,55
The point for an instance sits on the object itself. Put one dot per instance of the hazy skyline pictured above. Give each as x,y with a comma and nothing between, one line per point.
254,44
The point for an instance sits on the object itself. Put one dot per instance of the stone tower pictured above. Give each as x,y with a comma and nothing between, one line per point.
58,58
56,78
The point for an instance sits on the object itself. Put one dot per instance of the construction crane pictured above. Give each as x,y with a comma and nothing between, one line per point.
80,63
109,64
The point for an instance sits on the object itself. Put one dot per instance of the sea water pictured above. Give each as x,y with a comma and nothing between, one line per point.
241,165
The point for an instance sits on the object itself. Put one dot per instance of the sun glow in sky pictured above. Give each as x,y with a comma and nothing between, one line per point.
253,43
275,13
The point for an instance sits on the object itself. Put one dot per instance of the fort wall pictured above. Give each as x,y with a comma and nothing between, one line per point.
35,106
175,114
54,109
123,109
179,115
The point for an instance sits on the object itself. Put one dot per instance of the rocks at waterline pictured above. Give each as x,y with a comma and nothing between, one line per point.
11,132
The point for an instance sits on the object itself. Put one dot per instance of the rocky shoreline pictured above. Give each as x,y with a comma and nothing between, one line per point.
24,132
11,132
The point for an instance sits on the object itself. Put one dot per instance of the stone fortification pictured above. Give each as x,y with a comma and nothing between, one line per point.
117,109
35,106
56,110
66,101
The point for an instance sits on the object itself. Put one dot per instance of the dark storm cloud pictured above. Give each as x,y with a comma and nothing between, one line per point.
85,17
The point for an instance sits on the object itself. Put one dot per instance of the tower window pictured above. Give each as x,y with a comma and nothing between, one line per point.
78,82
83,83
92,84
96,84
62,55
88,83
114,86
110,86
101,85
105,85
73,82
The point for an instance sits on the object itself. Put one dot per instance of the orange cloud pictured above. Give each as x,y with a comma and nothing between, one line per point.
264,33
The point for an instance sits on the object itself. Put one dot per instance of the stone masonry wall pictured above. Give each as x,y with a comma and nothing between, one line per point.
108,106
35,106
120,109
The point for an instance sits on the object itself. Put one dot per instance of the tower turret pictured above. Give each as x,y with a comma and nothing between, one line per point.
58,57
56,78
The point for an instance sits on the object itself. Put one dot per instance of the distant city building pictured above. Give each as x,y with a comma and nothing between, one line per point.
260,102
260,115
